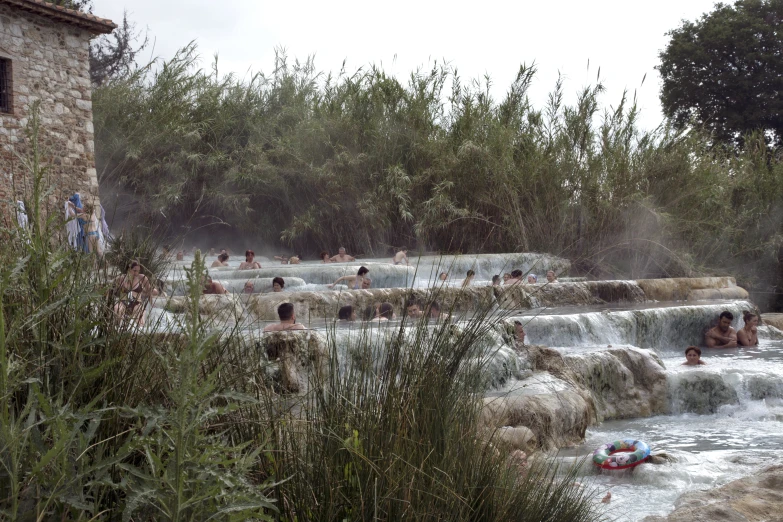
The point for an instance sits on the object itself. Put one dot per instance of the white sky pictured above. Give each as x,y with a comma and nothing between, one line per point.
485,37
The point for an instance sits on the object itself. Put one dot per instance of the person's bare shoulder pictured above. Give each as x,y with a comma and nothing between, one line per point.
271,328
297,326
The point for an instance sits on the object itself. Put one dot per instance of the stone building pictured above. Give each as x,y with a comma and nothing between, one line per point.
44,56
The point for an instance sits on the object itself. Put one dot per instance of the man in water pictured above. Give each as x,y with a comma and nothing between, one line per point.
249,287
519,335
366,283
287,320
211,287
413,309
342,257
722,335
401,256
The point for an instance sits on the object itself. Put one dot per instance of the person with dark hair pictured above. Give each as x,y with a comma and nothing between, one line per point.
519,334
722,335
469,279
249,263
134,289
369,312
693,356
385,312
278,283
413,309
401,256
211,287
748,334
496,280
435,312
346,313
342,257
325,257
443,276
514,277
222,260
287,320
354,282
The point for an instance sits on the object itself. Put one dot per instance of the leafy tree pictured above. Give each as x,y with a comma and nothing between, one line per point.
725,71
113,55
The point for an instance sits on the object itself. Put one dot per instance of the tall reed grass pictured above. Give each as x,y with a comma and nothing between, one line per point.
302,160
103,420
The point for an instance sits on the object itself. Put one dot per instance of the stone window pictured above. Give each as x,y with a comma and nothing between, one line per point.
5,86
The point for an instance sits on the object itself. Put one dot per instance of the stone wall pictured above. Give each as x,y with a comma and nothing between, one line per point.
50,63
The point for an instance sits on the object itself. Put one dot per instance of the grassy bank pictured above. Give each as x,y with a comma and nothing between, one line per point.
100,420
304,161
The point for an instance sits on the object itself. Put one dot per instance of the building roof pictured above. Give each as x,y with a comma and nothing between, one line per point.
61,14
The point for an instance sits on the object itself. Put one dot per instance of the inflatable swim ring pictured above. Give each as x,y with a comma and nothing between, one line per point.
621,454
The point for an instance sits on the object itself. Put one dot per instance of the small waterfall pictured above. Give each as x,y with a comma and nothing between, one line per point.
383,275
664,328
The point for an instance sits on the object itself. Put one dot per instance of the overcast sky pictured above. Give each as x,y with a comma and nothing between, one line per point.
482,37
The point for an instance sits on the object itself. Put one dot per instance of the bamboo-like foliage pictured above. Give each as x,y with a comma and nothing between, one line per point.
369,162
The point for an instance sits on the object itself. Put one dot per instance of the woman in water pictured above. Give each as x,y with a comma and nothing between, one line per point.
693,357
325,257
249,263
747,335
278,284
133,288
354,282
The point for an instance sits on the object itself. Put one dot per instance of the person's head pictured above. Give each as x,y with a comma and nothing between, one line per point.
693,354
413,309
325,255
386,310
471,273
366,283
550,276
404,250
519,331
362,271
506,277
278,284
88,208
249,255
180,255
249,287
443,276
223,251
341,251
532,278
294,259
133,267
346,313
495,280
516,274
434,310
286,312
750,318
223,257
724,321
368,313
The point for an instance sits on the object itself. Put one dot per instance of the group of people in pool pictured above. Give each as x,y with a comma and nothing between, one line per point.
414,308
722,335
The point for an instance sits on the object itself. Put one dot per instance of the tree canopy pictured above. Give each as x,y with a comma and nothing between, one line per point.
725,71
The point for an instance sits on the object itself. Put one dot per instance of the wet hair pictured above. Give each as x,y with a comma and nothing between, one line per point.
279,281
324,253
345,312
386,310
728,315
434,306
413,302
747,316
222,257
285,311
131,265
694,348
471,273
249,253
443,274
495,278
362,270
516,274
